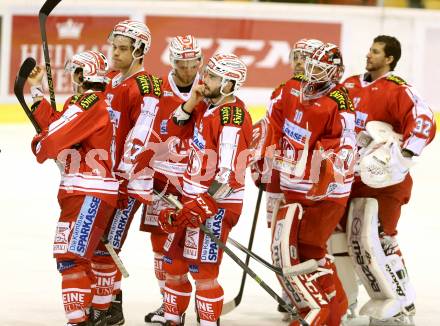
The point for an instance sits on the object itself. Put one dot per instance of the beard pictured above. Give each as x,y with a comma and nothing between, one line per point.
211,93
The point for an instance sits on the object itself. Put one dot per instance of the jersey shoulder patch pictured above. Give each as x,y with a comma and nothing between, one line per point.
396,79
75,98
340,96
149,84
299,77
232,115
87,101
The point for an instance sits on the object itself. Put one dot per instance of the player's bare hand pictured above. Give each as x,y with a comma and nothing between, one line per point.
196,97
36,76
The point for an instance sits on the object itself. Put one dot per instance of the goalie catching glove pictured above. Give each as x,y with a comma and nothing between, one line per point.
193,213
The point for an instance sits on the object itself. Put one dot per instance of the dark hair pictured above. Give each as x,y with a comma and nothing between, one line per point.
391,48
94,86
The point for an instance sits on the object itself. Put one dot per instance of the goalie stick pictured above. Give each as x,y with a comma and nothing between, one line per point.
20,81
231,305
175,202
45,11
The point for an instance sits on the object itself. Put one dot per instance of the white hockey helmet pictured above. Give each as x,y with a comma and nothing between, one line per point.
305,47
184,48
137,31
328,59
94,66
229,67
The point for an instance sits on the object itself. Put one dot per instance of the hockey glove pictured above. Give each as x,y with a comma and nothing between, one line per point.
196,211
35,145
167,220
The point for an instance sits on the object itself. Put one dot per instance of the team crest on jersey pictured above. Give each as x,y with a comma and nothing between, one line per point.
61,238
191,247
396,79
340,96
361,119
88,101
295,132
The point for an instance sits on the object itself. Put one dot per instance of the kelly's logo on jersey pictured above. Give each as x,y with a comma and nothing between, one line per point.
340,96
144,84
295,132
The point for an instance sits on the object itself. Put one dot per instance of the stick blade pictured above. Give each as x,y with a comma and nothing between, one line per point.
231,305
48,6
26,67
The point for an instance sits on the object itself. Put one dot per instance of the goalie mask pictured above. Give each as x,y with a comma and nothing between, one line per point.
323,69
93,64
303,48
137,31
230,68
184,48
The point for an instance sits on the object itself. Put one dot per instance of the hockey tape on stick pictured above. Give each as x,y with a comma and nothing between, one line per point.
25,70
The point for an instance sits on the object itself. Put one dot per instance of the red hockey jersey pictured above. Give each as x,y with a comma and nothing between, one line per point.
221,136
298,128
390,99
81,138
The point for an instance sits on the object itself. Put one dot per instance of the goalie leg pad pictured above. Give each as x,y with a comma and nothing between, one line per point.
389,293
337,246
310,287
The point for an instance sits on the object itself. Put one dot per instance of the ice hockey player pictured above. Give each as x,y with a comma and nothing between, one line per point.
301,49
394,124
132,93
213,189
186,60
313,120
81,139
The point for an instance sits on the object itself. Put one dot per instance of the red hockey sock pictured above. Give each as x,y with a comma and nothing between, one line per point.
159,271
117,284
209,305
103,287
77,294
176,297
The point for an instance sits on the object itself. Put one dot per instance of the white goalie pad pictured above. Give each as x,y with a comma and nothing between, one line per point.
337,247
381,161
296,276
384,277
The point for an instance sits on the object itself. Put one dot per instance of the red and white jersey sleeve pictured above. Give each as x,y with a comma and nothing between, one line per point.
390,99
219,149
82,140
326,123
127,98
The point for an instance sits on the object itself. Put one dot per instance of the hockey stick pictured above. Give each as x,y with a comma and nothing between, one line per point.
175,202
231,305
117,260
25,70
305,267
45,11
